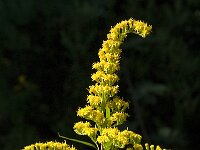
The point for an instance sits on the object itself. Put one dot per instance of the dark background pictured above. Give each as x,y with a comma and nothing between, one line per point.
47,48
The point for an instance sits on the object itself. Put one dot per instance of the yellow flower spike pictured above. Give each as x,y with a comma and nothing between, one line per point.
103,94
49,146
106,109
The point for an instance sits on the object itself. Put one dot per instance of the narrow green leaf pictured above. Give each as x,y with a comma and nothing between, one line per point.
78,141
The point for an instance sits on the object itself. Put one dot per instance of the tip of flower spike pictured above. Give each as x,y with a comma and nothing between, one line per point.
141,28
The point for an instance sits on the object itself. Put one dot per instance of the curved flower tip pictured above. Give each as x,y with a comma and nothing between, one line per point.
141,28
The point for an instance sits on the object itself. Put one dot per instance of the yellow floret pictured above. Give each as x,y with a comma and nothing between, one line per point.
48,146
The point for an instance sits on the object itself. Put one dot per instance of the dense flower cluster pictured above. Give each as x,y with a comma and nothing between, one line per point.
49,146
112,137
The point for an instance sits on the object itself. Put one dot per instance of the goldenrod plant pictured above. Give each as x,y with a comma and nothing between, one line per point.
105,111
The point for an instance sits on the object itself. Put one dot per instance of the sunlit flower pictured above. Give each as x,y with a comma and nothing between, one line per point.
49,145
104,79
118,104
94,100
103,90
80,126
119,117
103,139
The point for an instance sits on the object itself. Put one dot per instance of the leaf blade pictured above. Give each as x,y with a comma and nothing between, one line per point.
78,141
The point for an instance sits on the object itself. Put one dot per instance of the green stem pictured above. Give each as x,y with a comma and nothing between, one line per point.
107,112
95,143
